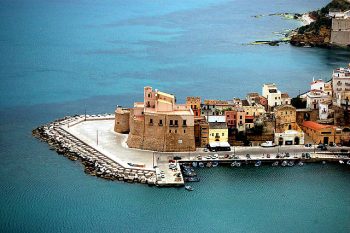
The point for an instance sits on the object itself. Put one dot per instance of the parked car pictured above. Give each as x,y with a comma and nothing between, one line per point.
324,148
177,158
205,150
308,145
320,146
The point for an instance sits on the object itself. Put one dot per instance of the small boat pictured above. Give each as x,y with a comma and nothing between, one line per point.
192,179
275,164
323,162
188,188
300,163
233,164
238,164
257,164
348,162
290,164
215,164
209,164
194,164
341,161
200,164
284,163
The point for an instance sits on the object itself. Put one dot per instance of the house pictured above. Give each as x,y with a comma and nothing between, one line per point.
341,85
236,119
313,98
218,136
274,96
158,123
195,104
201,132
321,133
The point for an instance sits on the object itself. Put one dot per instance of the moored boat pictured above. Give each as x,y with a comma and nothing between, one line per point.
209,164
257,164
348,162
215,164
300,163
188,188
233,164
284,163
341,161
200,164
275,164
290,164
238,164
194,164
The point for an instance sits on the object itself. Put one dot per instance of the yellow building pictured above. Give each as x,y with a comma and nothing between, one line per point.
218,132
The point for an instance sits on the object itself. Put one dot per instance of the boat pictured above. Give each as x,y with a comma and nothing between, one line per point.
233,164
238,164
284,163
258,163
188,188
192,179
194,164
300,163
348,162
209,164
323,162
200,164
275,164
136,165
341,161
268,144
290,164
215,164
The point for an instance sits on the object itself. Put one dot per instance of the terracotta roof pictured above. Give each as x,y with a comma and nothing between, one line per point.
315,126
215,102
245,103
249,117
284,95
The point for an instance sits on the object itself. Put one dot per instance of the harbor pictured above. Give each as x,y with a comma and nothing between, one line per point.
104,153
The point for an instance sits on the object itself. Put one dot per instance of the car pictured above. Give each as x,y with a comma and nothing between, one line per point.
320,146
248,156
205,150
344,150
332,144
208,157
215,156
308,145
324,148
177,158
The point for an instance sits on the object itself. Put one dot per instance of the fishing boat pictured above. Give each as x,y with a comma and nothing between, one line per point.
341,161
209,164
233,164
300,163
257,164
348,162
275,164
215,164
192,179
188,188
200,164
194,164
238,164
290,164
284,163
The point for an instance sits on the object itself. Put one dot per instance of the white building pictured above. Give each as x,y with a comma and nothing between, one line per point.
218,118
274,96
289,137
314,97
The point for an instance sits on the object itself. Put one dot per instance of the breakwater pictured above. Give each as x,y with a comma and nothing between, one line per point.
95,163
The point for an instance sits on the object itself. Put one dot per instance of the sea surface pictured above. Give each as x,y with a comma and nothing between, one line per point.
60,57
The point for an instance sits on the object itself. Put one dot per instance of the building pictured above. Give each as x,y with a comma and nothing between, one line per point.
215,107
321,133
340,33
201,132
314,97
287,131
195,104
255,110
218,136
341,85
274,96
159,124
236,119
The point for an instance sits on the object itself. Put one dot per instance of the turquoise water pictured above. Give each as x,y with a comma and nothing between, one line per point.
59,57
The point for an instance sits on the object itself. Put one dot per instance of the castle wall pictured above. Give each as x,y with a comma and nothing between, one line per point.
121,124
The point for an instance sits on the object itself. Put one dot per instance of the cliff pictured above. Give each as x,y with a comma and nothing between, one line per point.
318,33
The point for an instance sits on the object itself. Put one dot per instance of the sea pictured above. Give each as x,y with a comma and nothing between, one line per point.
65,57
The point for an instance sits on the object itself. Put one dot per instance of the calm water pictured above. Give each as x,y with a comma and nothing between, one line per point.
59,57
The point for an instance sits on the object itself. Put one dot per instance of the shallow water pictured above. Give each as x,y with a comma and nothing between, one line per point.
59,58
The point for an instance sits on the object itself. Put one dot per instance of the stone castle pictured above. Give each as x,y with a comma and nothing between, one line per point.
157,123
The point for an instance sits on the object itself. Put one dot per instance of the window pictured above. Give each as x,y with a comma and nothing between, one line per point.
160,122
149,95
184,131
151,121
240,117
171,122
169,131
175,130
217,134
223,134
184,122
176,122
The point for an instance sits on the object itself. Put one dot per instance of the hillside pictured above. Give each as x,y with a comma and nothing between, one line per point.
318,32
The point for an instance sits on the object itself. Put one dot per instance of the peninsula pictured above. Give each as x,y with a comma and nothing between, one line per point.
157,141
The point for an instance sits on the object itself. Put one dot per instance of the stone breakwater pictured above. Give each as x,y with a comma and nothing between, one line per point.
95,163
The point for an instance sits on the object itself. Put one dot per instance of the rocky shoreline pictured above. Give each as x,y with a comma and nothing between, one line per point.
95,163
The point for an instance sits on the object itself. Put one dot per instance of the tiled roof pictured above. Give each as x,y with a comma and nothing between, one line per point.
315,126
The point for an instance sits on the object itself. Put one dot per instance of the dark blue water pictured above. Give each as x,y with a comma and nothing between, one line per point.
59,57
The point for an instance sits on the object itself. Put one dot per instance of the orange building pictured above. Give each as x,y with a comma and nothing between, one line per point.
320,133
195,104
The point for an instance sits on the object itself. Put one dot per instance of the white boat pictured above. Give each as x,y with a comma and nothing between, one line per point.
275,164
238,164
348,162
284,163
233,164
215,164
341,161
188,188
200,164
194,164
257,164
209,164
290,164
301,163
